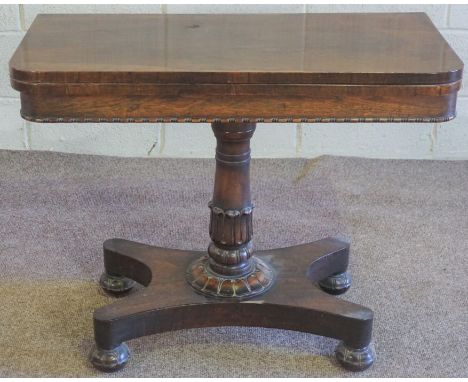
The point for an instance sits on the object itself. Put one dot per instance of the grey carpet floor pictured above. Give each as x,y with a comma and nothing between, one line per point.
407,220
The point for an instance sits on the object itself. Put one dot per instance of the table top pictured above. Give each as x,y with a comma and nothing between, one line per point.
376,48
265,68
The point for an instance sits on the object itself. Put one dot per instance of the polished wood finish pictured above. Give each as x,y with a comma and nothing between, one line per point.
377,48
231,206
230,285
275,103
243,68
234,71
169,303
229,270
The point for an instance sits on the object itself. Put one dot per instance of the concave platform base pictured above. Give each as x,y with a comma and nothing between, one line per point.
169,302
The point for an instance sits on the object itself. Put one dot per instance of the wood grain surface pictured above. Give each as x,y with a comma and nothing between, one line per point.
308,67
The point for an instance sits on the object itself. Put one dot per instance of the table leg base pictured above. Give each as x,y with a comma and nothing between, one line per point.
293,302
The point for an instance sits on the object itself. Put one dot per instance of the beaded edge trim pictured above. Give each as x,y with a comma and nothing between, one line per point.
239,120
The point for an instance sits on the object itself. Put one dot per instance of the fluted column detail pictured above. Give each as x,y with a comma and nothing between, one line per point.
230,270
231,208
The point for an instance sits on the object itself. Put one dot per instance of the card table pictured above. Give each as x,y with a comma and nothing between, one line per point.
234,71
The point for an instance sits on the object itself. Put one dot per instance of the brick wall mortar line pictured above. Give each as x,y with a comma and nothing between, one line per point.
447,15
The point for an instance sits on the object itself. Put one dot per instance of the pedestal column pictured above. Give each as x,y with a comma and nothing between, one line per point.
230,270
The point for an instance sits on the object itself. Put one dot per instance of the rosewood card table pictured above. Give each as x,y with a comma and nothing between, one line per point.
234,71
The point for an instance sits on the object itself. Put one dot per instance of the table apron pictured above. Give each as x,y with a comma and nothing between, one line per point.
209,103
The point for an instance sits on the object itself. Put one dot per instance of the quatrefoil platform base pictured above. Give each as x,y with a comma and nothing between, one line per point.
295,300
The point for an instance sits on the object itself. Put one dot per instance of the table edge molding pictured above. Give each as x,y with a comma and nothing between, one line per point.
441,119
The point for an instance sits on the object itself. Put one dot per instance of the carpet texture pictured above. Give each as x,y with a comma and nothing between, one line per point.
407,220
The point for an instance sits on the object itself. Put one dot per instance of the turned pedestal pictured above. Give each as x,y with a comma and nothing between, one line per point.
234,71
230,284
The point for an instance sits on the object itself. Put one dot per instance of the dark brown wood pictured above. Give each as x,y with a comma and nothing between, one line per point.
230,285
168,302
231,208
244,68
244,103
377,48
234,71
229,270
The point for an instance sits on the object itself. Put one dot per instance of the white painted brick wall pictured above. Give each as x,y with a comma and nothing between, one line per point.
419,141
197,140
135,139
9,41
9,18
393,140
12,128
458,16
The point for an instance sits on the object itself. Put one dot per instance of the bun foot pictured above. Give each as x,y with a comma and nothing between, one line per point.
115,284
110,360
355,359
336,284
